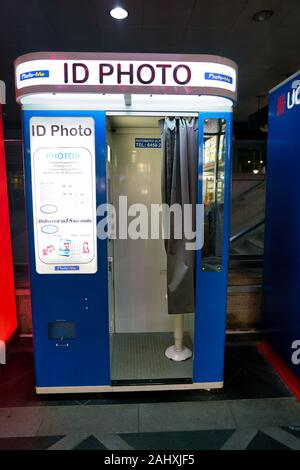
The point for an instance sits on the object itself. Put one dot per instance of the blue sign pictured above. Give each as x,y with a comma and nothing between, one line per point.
66,268
34,74
147,143
281,312
220,77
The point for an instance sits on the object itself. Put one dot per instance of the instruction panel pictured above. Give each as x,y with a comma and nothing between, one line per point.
64,194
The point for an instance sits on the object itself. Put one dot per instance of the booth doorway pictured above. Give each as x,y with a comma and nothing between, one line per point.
140,327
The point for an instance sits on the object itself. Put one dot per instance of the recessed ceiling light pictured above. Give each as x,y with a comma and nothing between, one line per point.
118,13
262,15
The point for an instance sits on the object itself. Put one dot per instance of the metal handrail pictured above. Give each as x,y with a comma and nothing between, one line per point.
239,235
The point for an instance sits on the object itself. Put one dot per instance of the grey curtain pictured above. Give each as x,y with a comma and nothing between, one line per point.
179,186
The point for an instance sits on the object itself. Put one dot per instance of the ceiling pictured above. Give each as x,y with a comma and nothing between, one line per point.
266,52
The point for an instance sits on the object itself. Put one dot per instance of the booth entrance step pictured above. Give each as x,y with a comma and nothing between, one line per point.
140,358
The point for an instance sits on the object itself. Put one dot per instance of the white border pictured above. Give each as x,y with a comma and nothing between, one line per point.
130,388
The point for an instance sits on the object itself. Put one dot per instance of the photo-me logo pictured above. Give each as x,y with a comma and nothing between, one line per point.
220,77
34,74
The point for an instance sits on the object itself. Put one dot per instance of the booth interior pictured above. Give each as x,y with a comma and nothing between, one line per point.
139,325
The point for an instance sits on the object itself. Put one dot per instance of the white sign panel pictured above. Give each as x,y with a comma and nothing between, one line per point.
67,72
64,194
126,73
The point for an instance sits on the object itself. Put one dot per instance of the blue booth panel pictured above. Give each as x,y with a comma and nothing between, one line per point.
211,284
70,310
281,293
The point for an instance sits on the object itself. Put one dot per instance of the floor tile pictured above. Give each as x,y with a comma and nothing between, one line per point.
89,419
69,441
17,380
90,443
240,439
21,421
28,443
197,440
259,361
113,441
253,382
259,413
241,352
185,416
263,442
282,436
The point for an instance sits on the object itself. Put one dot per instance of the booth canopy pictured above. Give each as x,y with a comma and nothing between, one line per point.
69,72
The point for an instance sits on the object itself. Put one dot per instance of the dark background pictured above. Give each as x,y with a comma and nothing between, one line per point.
266,52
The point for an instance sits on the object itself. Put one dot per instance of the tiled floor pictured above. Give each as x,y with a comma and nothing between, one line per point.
253,411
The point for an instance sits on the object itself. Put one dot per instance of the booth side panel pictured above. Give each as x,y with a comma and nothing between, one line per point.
77,298
281,293
211,287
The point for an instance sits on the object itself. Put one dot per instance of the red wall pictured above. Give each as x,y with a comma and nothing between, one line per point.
8,319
